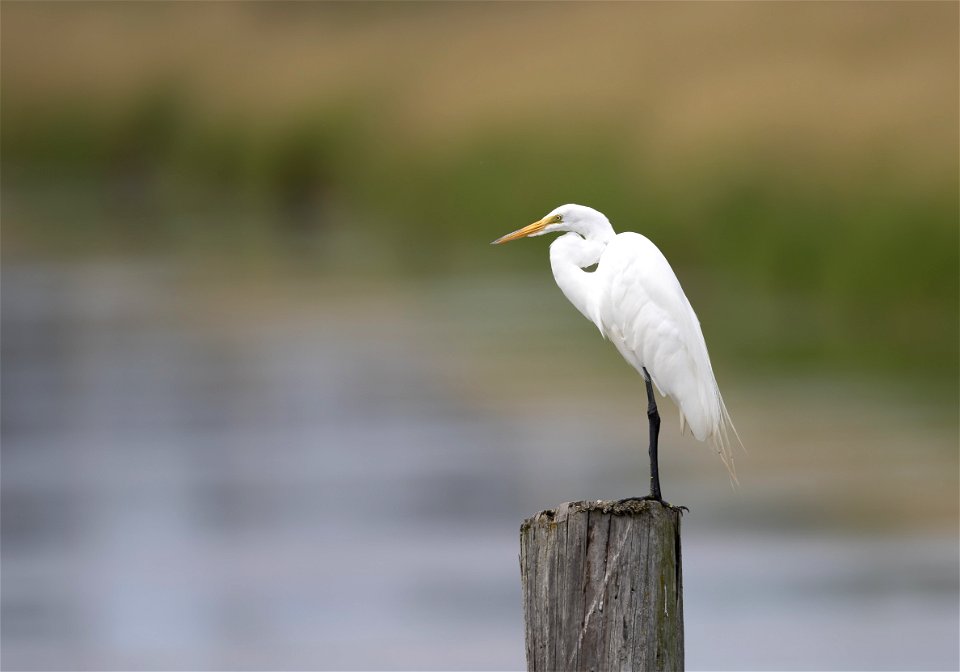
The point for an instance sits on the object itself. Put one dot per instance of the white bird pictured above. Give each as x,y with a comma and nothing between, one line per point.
637,303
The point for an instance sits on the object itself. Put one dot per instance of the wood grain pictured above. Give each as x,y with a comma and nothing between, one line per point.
602,587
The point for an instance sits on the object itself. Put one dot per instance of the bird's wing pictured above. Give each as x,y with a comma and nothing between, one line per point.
646,314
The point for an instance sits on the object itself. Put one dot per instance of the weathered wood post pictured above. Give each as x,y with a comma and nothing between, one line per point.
602,587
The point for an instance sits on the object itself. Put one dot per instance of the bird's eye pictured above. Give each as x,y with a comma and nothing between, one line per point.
558,218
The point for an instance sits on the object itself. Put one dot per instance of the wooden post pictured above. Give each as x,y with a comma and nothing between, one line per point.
602,587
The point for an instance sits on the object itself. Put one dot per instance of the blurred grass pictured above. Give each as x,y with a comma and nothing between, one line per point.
797,163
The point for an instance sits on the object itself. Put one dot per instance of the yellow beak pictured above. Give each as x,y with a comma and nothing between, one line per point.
525,231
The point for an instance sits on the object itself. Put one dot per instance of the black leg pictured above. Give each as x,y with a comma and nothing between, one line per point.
653,417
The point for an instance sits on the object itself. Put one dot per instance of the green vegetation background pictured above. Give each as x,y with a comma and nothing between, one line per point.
797,163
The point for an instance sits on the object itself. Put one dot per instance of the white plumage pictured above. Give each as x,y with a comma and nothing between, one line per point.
636,301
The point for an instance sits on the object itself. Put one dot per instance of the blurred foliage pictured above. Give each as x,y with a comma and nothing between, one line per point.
831,260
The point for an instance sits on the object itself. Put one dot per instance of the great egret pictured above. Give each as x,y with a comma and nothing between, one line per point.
637,303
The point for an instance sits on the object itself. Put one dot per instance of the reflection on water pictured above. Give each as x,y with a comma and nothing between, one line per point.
193,485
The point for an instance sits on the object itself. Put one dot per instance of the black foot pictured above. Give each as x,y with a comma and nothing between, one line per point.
651,498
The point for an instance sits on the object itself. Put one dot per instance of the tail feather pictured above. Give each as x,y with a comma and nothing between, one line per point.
720,439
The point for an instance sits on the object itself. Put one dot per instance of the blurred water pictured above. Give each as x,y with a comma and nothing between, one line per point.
192,485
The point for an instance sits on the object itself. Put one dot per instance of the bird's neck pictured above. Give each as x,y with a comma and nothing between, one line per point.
569,255
594,230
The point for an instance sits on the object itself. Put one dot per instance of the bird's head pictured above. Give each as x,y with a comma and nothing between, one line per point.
571,217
